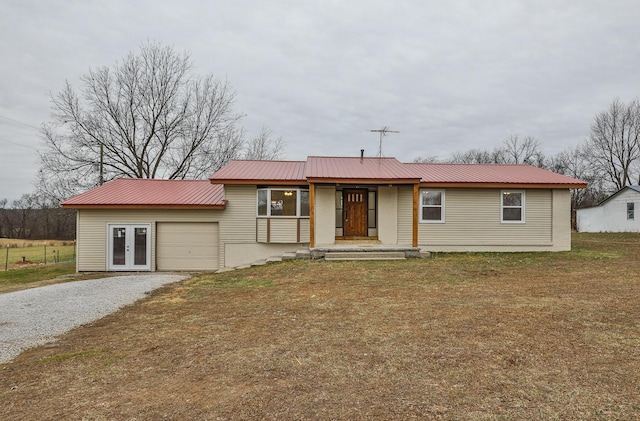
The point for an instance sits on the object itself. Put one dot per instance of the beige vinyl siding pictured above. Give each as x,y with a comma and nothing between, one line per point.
405,215
238,223
305,230
284,230
472,218
262,226
92,230
91,241
561,220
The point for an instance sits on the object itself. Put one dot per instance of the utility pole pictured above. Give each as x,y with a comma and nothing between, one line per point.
383,132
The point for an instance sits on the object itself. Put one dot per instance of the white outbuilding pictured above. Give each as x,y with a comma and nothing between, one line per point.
614,214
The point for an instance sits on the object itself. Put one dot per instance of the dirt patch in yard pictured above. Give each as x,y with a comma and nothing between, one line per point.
459,336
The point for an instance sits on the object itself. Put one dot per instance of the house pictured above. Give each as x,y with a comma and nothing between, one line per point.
251,210
617,213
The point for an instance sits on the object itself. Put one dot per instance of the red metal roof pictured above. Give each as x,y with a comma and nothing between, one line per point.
491,174
258,172
138,192
361,169
387,170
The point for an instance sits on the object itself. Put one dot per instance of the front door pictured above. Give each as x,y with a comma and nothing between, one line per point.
129,246
355,213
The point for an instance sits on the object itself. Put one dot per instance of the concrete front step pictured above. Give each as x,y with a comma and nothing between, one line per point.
336,255
303,254
364,255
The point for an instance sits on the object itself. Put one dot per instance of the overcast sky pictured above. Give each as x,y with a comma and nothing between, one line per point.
448,75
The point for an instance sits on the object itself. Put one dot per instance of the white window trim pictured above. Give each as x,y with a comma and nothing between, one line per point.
130,266
633,211
502,207
269,190
442,206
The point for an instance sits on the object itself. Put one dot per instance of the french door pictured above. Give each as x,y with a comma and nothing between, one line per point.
129,246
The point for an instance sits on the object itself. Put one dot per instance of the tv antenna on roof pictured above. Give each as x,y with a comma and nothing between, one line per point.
383,132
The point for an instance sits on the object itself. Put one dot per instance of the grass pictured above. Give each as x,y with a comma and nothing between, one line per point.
15,254
33,276
33,271
479,336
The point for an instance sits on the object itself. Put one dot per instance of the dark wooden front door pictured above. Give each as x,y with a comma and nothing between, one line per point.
355,213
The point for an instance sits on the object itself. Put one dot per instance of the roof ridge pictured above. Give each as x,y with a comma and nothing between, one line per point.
269,160
471,164
158,179
352,157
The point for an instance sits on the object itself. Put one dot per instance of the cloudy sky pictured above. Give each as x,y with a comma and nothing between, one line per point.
448,75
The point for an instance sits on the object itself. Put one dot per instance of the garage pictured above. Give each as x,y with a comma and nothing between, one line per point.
187,246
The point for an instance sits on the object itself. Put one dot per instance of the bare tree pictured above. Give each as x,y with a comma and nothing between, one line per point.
5,221
264,146
430,159
574,162
614,143
522,151
477,156
513,151
24,209
146,117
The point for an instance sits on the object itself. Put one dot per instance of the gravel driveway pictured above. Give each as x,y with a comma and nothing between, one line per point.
35,316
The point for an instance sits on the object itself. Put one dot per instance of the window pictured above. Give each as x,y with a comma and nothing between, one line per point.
283,202
432,206
304,202
371,210
512,204
338,208
630,211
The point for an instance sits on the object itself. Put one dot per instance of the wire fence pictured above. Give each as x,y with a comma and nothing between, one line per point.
37,253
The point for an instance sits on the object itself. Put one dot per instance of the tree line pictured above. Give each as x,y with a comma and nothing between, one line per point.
34,217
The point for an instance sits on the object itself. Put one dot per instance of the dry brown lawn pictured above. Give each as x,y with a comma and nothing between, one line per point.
459,336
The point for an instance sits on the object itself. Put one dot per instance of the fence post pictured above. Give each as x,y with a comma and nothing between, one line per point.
6,263
45,252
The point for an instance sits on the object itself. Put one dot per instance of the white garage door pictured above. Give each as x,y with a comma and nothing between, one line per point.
187,246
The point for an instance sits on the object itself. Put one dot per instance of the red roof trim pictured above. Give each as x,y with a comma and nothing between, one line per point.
99,206
260,182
